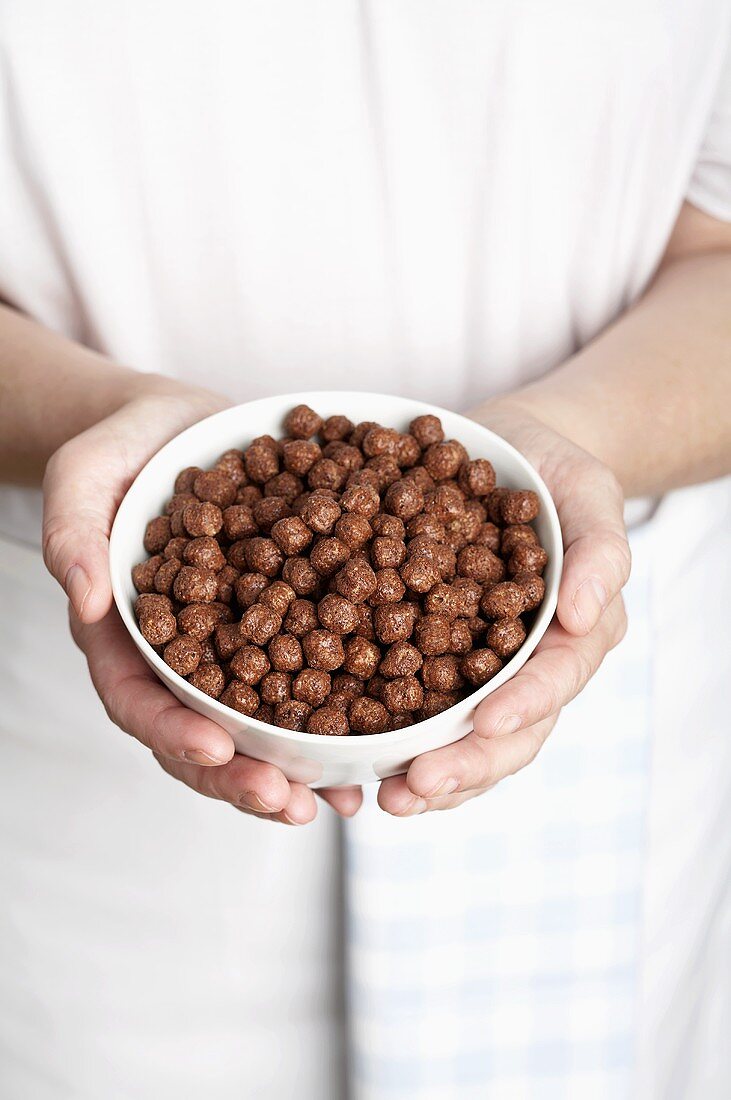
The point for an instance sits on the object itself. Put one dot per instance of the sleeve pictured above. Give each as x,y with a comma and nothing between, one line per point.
710,185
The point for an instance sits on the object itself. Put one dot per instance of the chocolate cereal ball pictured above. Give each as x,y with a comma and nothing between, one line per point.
284,486
226,579
427,430
276,687
404,499
214,486
299,575
208,678
394,622
301,618
504,601
361,657
505,637
389,527
326,474
238,522
381,441
264,556
279,596
520,534
202,519
184,480
292,535
533,588
442,673
362,500
367,716
443,599
409,451
157,534
231,463
443,460
193,585
479,666
402,695
311,686
292,715
300,455
323,650
285,653
435,702
350,458
476,478
354,530
183,655
249,664
356,580
527,559
260,623
488,535
389,588
240,697
249,587
337,614
388,553
432,634
402,659
267,511
328,555
302,422
261,462
157,624
165,576
420,573
478,563
520,506
227,638
199,620
320,513
385,469
328,721
460,636
205,553
336,428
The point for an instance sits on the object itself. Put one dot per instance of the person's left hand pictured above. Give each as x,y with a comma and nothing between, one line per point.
511,725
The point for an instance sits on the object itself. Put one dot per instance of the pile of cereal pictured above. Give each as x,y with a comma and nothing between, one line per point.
348,586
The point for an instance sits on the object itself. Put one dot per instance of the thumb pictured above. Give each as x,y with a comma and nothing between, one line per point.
78,509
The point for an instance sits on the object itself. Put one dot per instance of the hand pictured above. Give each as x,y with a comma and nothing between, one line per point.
511,725
84,483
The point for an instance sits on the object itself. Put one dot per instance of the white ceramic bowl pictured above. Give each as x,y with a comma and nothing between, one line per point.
322,761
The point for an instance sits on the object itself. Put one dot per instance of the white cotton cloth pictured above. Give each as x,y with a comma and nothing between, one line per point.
436,199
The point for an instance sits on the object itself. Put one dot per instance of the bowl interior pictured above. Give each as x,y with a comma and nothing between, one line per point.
235,427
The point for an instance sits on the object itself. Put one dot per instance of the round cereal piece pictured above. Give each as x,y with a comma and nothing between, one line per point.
435,702
183,655
348,685
402,695
299,574
268,511
489,535
336,428
175,548
400,721
240,697
423,479
360,431
442,599
292,715
519,534
442,673
388,553
394,622
326,474
292,535
285,653
184,480
479,666
157,535
504,601
350,458
388,527
260,623
236,555
469,594
364,629
505,637
404,499
249,588
320,513
194,585
477,477
367,716
328,721
231,463
337,614
227,638
381,441
165,576
177,527
427,430
494,503
261,462
301,618
328,555
361,500
226,580
443,460
157,624
214,486
533,588
311,686
432,634
419,573
205,553
249,495
265,713
527,559
460,636
266,441
427,525
284,486
208,678
520,506
149,601
323,650
279,596
374,687
478,563
208,652
361,657
356,580
264,556
354,530
364,477
178,501
408,452
199,620
249,664
276,687
300,455
302,422
386,471
444,503
203,518
401,659
389,588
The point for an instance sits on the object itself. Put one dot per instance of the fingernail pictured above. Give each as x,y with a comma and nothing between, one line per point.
253,802
291,820
197,756
416,806
511,723
590,599
443,787
78,587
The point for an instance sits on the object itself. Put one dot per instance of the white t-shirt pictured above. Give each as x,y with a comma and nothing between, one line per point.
442,199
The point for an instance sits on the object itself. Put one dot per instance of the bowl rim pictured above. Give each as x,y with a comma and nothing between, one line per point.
509,669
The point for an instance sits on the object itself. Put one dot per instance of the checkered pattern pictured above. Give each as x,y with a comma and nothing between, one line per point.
493,950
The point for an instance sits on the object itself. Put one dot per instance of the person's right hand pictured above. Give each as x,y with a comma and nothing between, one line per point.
83,486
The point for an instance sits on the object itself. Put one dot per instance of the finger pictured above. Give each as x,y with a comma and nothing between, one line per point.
559,669
597,562
301,807
395,798
344,800
248,784
475,762
137,702
78,506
